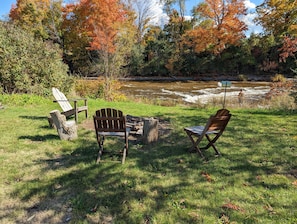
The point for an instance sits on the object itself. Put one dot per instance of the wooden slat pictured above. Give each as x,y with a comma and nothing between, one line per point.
110,119
62,100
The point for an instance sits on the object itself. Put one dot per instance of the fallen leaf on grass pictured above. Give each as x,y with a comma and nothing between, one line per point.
207,176
231,206
269,208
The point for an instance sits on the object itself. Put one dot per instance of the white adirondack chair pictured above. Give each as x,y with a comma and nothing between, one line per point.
67,108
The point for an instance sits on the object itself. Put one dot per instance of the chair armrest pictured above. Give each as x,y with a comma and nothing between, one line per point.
78,99
55,101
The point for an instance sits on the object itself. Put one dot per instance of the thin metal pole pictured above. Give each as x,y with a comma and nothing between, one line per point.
225,96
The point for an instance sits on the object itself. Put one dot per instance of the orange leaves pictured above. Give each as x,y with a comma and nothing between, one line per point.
98,19
288,49
200,44
220,25
104,16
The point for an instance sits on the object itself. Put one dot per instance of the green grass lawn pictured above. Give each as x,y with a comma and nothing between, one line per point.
46,180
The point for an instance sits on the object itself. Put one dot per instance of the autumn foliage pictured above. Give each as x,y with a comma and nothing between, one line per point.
289,48
98,20
219,25
278,17
111,38
31,15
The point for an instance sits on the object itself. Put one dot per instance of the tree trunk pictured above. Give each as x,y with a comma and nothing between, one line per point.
67,130
150,130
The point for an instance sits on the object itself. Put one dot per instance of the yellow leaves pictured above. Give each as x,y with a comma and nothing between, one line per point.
293,30
278,16
36,16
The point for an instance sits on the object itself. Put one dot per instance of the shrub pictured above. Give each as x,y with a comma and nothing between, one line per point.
242,77
89,88
97,89
294,90
111,89
282,102
29,65
278,78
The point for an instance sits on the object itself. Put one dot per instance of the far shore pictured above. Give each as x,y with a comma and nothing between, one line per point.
204,77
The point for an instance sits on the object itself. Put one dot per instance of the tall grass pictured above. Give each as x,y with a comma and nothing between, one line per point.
46,180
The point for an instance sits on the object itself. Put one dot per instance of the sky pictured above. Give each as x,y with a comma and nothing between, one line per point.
5,6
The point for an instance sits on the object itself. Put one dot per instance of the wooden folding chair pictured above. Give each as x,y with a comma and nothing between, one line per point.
215,126
110,122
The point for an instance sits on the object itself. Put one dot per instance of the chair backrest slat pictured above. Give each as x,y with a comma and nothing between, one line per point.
62,100
222,112
110,120
217,123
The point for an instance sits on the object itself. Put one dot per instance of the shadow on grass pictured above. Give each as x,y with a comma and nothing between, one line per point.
34,117
40,138
39,118
153,179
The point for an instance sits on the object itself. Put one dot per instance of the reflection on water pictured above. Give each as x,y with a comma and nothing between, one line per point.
193,91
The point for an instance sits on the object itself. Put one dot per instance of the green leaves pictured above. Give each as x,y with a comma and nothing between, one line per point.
29,65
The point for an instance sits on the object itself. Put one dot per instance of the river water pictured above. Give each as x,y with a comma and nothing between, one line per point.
194,91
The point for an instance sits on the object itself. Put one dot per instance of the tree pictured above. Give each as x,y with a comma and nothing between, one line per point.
29,65
76,42
157,51
105,29
289,48
42,18
174,30
101,21
146,17
217,24
144,14
180,6
278,17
